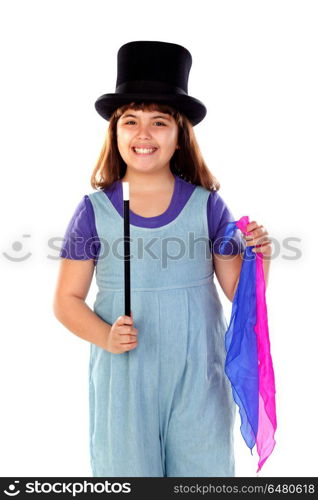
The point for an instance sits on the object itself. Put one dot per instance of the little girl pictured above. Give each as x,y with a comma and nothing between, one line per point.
160,403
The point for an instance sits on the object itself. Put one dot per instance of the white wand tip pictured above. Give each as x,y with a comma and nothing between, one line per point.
126,190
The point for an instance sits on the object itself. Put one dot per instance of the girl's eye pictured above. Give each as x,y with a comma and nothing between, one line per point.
132,121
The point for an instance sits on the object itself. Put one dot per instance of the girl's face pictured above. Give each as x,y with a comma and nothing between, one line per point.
153,133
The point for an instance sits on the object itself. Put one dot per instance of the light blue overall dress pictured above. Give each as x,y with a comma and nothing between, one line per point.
164,408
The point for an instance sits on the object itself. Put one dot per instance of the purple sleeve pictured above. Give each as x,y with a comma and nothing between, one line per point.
218,217
81,241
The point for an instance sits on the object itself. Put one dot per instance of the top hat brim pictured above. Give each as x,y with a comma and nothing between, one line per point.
194,109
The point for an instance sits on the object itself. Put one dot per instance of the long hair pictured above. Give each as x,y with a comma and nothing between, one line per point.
186,162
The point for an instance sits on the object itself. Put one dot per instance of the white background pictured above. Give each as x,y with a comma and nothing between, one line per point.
255,69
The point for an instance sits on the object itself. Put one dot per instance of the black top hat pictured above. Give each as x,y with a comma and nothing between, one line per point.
153,71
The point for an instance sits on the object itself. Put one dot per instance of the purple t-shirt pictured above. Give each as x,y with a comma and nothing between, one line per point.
81,227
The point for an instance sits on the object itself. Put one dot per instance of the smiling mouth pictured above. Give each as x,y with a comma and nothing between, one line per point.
144,151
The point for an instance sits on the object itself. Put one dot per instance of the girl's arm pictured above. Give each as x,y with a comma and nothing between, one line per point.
227,269
69,305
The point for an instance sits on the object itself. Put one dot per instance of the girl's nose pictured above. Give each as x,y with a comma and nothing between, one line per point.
143,130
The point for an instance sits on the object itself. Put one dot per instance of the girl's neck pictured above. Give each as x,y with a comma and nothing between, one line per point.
149,182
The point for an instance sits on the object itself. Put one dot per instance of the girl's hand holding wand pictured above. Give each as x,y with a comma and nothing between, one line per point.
122,336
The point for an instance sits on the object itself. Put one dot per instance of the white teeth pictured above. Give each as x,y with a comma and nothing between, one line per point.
144,151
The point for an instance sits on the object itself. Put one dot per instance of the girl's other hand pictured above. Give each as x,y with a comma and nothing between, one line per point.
258,238
122,336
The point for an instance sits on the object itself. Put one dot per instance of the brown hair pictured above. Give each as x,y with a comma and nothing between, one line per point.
186,162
